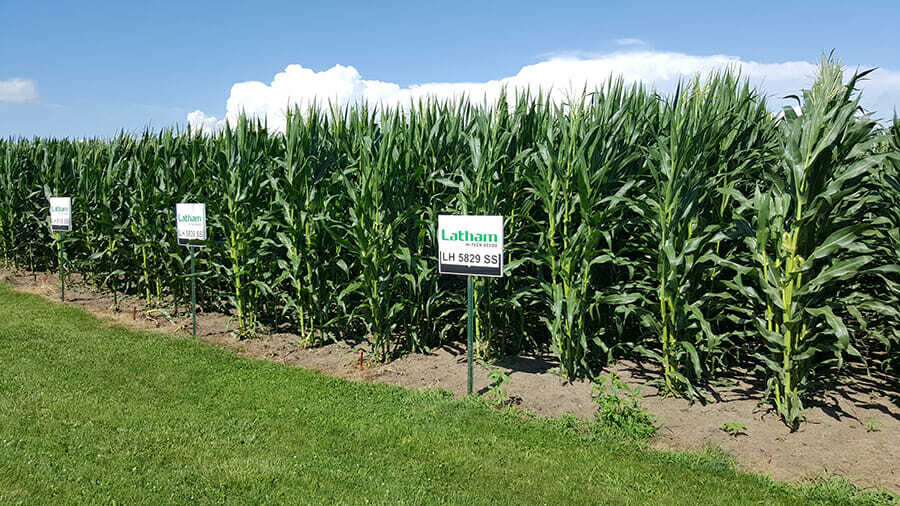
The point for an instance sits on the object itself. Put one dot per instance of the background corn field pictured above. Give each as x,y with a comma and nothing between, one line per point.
694,230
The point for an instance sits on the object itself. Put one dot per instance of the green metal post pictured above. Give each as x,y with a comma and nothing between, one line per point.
62,278
470,327
193,292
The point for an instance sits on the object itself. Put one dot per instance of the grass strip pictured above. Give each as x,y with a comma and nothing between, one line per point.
96,413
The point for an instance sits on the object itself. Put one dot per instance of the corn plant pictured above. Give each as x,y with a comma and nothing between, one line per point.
300,201
483,189
10,192
242,176
582,175
809,238
372,230
745,156
28,234
437,150
882,322
142,178
684,178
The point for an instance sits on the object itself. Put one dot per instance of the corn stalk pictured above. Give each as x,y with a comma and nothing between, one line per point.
812,241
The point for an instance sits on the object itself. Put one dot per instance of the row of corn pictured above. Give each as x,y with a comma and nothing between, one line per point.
694,230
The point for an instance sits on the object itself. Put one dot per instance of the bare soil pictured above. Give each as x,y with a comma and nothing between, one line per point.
853,431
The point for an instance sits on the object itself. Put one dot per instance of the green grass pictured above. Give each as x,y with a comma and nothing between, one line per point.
96,414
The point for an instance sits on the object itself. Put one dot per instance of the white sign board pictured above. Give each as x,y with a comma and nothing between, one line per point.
61,214
470,245
191,221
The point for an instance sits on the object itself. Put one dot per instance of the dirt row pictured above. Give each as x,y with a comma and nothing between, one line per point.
854,431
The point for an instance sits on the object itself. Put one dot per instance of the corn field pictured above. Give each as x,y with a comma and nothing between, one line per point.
696,230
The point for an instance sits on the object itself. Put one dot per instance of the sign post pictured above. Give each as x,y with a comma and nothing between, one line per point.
191,224
470,328
470,246
61,221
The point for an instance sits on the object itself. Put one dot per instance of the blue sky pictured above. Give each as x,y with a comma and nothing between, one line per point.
89,69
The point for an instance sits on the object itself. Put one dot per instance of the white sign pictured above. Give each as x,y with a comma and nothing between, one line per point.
61,214
470,245
191,220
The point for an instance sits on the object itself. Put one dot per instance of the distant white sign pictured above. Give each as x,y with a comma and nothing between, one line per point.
191,221
61,214
470,245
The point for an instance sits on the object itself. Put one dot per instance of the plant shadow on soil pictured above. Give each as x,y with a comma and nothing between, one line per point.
852,428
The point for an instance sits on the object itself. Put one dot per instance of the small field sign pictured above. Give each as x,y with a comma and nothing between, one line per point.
61,214
191,221
470,245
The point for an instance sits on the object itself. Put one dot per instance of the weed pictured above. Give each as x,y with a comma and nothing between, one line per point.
734,429
838,490
872,425
497,392
620,409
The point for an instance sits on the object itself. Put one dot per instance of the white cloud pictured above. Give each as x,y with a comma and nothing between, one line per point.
560,76
17,90
200,122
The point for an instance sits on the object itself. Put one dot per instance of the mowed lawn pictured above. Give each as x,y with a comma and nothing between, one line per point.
96,414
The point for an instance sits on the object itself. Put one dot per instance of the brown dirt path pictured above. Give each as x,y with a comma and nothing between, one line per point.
853,432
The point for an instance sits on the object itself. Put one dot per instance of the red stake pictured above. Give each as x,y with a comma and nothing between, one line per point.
360,359
134,313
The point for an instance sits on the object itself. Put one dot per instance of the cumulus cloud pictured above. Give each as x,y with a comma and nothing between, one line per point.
17,90
558,76
200,122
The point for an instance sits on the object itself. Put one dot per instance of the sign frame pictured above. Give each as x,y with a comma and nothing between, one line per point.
476,239
60,220
190,234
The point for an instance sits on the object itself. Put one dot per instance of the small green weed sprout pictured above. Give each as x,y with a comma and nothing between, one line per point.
620,410
498,395
499,380
734,429
873,425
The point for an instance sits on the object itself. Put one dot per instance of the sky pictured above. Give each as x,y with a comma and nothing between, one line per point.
90,69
